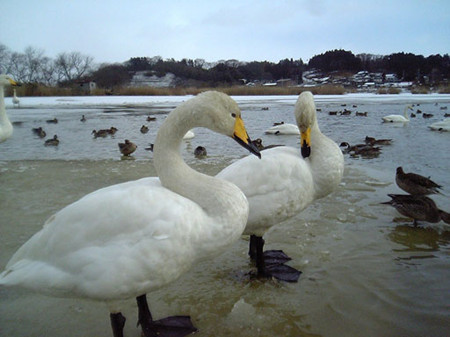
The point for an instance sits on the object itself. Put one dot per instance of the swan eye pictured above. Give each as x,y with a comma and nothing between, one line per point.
233,115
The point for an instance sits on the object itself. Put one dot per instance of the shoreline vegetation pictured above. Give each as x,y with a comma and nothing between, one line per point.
40,90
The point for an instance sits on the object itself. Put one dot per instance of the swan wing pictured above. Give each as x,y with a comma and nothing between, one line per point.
277,186
111,242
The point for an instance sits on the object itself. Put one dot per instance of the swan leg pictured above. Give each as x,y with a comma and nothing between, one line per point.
272,262
174,326
117,324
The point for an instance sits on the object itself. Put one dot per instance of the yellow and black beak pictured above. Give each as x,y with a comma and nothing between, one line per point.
12,82
240,135
305,141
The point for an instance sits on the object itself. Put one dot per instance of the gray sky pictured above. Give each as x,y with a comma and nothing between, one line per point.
256,30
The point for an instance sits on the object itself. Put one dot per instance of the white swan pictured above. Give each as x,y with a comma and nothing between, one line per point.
283,129
15,99
284,182
397,118
125,240
6,128
443,125
189,135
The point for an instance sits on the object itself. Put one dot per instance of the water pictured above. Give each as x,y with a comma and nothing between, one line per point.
363,273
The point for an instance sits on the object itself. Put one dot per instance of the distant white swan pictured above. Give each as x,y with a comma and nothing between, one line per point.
189,135
6,128
125,240
443,125
285,181
15,99
397,118
283,129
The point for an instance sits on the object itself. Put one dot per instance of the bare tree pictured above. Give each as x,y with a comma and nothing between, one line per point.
72,66
5,56
17,66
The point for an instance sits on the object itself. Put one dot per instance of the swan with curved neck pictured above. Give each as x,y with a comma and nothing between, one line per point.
6,128
397,118
125,240
284,182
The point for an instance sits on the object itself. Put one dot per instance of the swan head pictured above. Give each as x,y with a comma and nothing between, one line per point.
6,80
220,113
305,114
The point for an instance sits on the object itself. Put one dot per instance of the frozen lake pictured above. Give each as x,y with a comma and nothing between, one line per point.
363,273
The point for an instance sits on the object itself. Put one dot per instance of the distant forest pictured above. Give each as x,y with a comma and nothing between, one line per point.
33,67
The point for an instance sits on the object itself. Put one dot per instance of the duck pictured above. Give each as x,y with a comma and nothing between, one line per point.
283,129
127,147
364,150
443,125
100,133
52,121
83,119
112,130
374,141
126,240
361,114
397,118
417,207
6,128
200,152
144,129
151,119
52,141
414,183
283,183
39,132
15,99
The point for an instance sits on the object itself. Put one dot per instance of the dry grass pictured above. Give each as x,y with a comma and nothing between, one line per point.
420,89
389,91
444,89
39,90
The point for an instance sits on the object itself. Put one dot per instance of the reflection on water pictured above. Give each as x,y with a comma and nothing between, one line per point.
363,274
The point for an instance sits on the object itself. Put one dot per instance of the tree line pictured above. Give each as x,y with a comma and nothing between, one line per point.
32,66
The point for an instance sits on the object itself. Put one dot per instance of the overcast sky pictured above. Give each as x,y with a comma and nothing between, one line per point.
255,30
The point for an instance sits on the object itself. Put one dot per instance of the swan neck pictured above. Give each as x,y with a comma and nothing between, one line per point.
208,192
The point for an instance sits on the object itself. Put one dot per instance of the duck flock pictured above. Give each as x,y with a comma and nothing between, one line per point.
126,240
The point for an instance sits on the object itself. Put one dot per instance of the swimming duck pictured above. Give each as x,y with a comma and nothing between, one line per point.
397,118
417,207
52,121
112,130
373,141
52,141
83,119
415,183
151,119
126,240
39,132
200,152
6,128
144,129
100,133
284,182
127,147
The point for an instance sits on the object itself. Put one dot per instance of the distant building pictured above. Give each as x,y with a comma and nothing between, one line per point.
86,86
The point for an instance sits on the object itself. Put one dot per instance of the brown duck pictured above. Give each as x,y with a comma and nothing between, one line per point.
415,183
417,207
